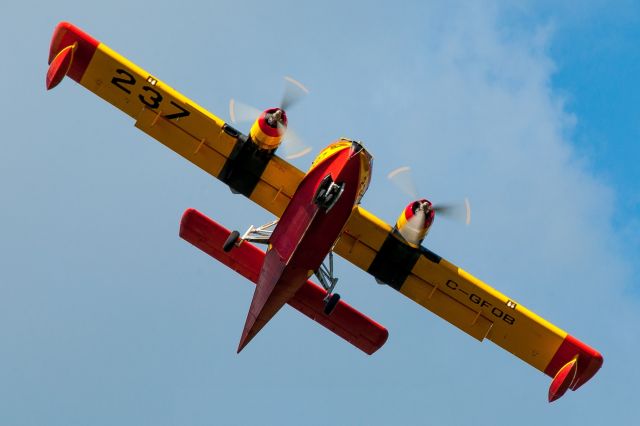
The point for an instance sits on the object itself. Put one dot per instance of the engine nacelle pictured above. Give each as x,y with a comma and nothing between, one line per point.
268,130
414,221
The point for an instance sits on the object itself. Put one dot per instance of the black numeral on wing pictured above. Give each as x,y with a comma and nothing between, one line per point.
154,98
182,113
150,98
120,82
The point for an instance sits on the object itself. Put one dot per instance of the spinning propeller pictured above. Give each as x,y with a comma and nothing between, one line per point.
403,179
294,91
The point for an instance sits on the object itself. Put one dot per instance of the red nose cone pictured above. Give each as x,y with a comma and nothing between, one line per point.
425,205
273,122
274,116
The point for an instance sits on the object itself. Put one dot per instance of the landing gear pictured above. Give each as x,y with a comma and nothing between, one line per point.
231,241
260,234
328,193
328,282
330,305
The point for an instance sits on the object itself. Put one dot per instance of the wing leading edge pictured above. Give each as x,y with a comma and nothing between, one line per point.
466,302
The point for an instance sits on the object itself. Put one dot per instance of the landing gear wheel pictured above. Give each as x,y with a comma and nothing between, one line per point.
331,304
321,194
328,193
231,241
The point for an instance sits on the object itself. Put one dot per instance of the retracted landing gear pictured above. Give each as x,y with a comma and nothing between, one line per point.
260,234
328,193
328,282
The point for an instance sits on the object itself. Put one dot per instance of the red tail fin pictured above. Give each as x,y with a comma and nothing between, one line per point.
348,323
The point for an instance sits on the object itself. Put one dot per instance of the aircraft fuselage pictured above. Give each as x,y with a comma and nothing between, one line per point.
307,230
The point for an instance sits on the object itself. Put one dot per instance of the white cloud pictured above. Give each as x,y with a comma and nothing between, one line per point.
489,124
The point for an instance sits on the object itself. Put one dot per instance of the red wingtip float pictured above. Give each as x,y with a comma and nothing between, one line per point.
319,214
70,53
563,379
572,366
60,66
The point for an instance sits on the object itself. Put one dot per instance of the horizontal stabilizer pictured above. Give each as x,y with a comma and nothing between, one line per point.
246,259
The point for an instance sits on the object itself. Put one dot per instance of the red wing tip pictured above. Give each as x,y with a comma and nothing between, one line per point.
64,36
59,34
574,364
594,362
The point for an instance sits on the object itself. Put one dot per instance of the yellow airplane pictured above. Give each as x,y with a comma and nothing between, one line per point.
319,214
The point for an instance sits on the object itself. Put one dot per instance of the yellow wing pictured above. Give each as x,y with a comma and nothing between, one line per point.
462,299
172,119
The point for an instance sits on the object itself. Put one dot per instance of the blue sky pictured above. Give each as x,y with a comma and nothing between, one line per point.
531,111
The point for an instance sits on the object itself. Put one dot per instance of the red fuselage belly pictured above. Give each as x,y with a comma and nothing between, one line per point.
304,236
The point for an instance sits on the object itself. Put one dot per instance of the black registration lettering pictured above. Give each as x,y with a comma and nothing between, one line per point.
497,312
475,299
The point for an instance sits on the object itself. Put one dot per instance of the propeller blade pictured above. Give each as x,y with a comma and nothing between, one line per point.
241,113
467,206
459,212
403,179
293,92
292,144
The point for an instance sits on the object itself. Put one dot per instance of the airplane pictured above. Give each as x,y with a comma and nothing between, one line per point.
319,214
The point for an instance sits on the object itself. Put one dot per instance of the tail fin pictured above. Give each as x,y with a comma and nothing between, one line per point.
345,321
